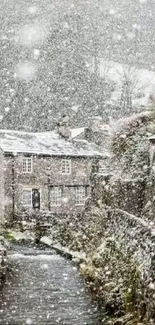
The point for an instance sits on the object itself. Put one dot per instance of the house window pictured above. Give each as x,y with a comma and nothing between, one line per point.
31,198
56,196
66,166
80,195
95,166
27,197
27,165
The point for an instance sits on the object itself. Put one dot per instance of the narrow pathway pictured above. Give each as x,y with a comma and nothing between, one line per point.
44,288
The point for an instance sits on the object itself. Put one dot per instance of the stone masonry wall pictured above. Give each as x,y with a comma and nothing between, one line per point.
135,236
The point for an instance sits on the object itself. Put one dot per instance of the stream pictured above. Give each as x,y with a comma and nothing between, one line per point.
44,288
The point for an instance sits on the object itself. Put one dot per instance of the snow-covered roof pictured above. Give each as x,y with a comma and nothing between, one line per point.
76,132
46,143
152,137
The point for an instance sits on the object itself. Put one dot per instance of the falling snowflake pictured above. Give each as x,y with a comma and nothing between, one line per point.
36,53
112,12
7,109
32,10
29,321
45,266
31,34
65,200
142,1
26,71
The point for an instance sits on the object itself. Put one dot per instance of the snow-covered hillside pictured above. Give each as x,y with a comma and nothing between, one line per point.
141,82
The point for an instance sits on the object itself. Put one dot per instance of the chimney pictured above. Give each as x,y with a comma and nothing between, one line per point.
93,131
64,128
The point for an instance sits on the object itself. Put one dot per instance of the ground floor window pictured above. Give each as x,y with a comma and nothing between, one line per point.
27,197
56,196
31,198
80,195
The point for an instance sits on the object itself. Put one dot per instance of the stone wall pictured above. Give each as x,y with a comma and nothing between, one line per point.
135,236
121,264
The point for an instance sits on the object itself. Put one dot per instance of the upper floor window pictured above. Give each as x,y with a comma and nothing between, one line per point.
66,166
80,195
56,196
27,164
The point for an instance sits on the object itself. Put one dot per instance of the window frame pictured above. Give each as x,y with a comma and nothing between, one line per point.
25,162
59,198
31,189
82,201
65,167
27,205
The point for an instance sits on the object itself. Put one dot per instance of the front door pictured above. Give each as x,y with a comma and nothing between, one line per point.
36,199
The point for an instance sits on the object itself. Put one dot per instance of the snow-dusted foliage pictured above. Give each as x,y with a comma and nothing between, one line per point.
121,268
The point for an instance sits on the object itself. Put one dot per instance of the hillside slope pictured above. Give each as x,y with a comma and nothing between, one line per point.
44,55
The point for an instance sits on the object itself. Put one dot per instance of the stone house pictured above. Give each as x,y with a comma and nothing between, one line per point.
45,171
